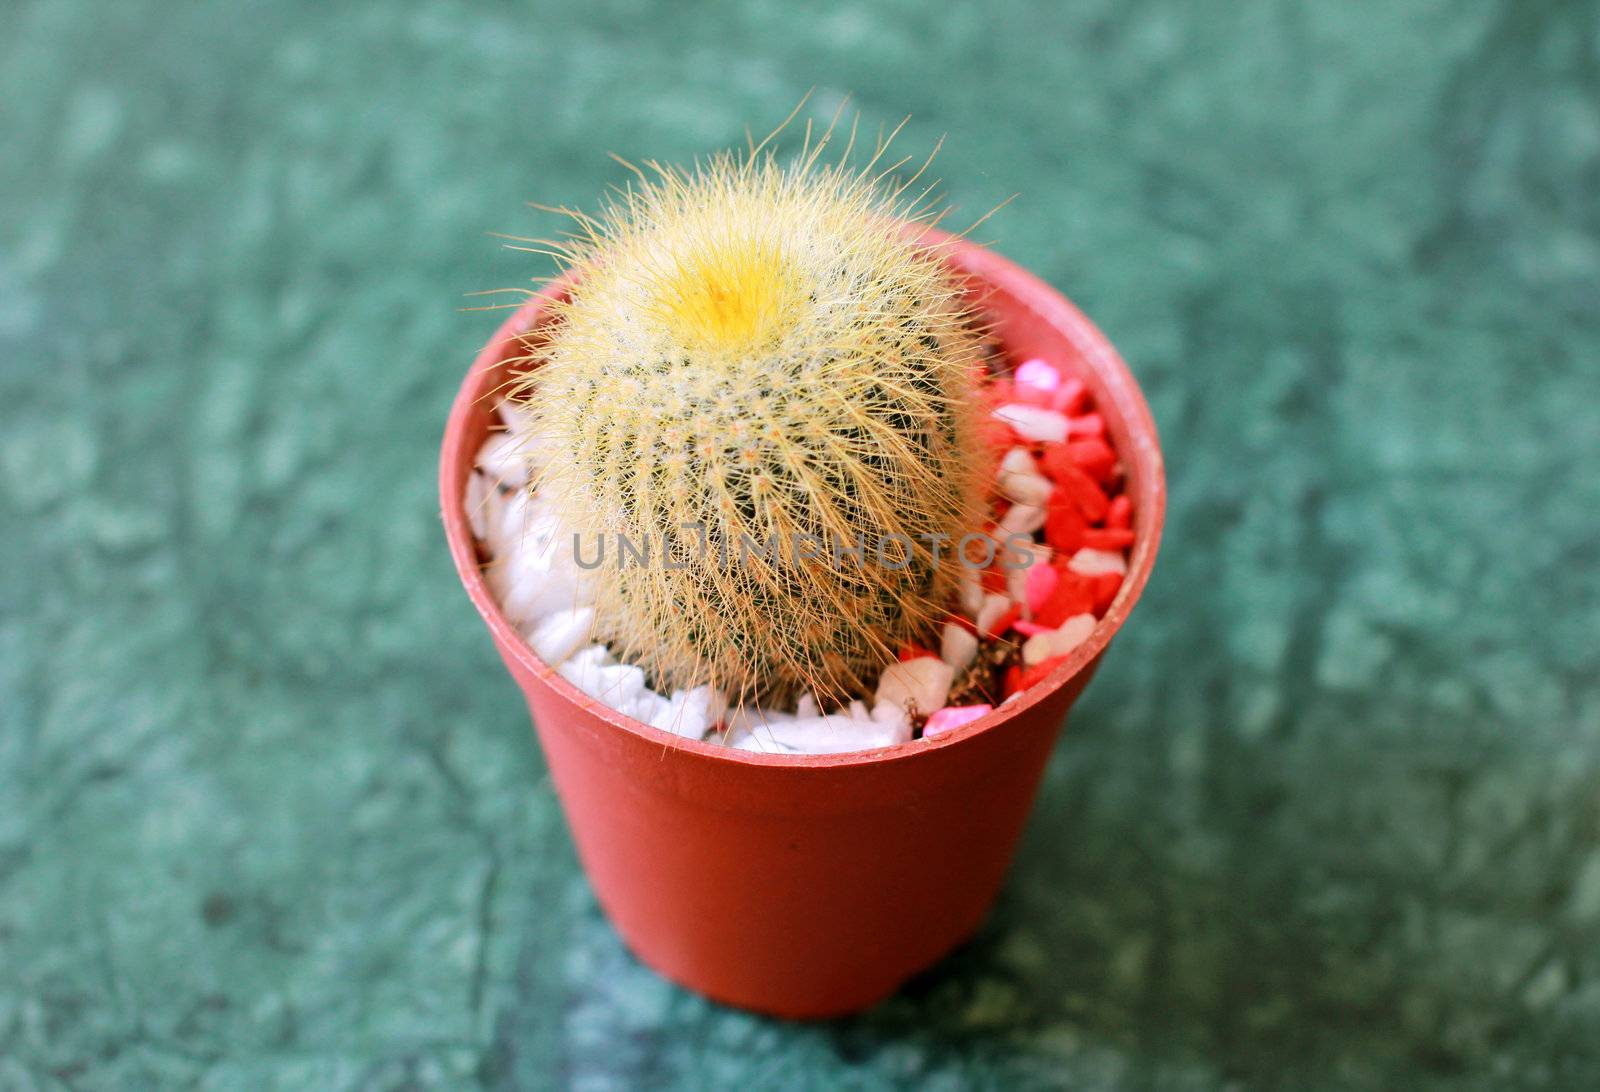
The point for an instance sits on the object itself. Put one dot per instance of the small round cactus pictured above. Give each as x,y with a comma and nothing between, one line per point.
760,392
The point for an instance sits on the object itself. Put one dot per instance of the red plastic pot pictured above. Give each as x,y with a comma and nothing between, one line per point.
799,885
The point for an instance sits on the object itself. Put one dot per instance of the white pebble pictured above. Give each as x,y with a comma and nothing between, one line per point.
1022,519
1031,489
1034,422
559,635
921,684
582,668
1073,632
895,719
750,728
971,592
748,718
477,505
504,517
501,458
533,449
1017,589
1094,562
492,514
958,647
1017,461
1058,642
691,712
994,608
532,571
834,734
646,706
1019,479
592,671
620,684
1036,649
514,417
745,739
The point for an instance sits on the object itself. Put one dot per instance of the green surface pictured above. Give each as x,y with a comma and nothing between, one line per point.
270,813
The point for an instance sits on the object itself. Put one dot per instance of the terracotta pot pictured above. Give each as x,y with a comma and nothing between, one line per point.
798,885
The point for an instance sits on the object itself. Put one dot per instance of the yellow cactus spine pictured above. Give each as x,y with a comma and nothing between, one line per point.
756,373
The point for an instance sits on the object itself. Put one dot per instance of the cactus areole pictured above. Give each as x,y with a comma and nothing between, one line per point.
757,382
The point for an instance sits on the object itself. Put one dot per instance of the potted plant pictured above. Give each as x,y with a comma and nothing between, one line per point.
754,352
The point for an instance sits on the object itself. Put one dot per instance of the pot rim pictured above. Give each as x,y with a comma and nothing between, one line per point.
1142,454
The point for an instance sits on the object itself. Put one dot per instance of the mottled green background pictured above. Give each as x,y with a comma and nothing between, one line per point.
270,813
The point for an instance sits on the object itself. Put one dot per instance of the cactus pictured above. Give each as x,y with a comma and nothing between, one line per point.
755,364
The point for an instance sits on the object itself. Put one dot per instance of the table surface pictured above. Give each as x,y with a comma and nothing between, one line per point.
270,813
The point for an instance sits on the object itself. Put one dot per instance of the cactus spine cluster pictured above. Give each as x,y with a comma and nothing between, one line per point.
754,353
